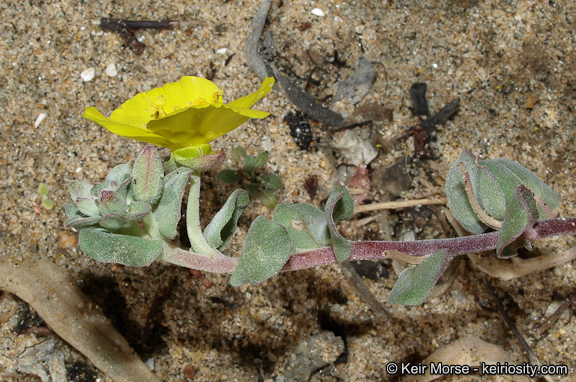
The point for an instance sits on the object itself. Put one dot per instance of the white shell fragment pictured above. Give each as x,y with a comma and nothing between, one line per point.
222,51
88,74
111,70
39,119
318,12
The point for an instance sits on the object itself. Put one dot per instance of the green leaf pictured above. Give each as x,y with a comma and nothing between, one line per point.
76,219
415,283
238,153
111,203
148,176
121,249
267,198
135,211
510,175
306,225
490,197
272,182
261,159
119,175
222,227
167,214
249,163
522,214
80,189
251,188
228,176
266,250
340,206
43,189
47,203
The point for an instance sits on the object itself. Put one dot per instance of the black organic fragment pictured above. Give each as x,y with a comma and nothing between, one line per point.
299,129
422,132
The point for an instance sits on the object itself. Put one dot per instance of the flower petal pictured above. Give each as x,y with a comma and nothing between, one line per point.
128,131
141,108
201,124
250,100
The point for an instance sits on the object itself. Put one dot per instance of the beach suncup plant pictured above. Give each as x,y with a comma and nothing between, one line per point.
184,116
132,217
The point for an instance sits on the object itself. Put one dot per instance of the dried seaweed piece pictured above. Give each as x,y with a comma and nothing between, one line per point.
306,103
251,54
126,28
299,129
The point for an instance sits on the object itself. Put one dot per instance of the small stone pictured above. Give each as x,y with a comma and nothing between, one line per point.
88,74
66,240
318,12
111,70
222,51
190,371
39,119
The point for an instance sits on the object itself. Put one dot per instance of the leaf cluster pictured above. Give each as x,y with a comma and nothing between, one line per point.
250,177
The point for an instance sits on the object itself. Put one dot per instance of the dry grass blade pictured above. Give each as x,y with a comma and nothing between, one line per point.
53,294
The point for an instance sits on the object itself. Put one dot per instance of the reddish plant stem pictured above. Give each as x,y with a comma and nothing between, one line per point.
368,250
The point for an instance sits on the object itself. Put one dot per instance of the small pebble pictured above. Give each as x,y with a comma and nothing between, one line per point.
318,12
190,371
41,117
66,240
88,74
222,51
111,70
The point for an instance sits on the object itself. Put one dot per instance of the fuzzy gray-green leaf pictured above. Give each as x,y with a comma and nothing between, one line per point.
147,176
76,219
490,197
415,283
339,206
306,225
167,214
120,249
119,174
266,249
510,175
222,227
522,214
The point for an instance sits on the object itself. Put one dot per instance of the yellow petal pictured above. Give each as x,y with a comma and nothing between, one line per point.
128,131
250,100
201,124
140,109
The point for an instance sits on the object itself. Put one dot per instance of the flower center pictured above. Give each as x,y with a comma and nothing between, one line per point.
158,107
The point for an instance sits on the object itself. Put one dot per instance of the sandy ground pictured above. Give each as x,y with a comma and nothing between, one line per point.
512,64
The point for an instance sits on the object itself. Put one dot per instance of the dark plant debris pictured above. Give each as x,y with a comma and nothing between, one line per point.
311,186
299,129
304,101
126,29
426,129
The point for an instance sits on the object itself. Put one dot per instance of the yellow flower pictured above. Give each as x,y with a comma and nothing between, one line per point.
184,116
